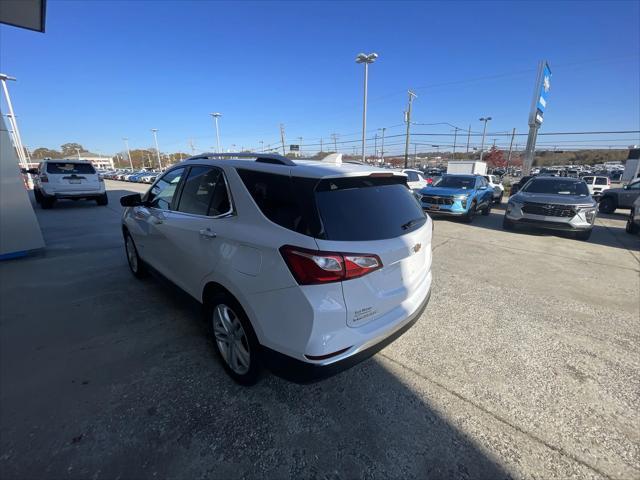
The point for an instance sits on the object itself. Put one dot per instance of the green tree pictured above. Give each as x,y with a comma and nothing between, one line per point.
42,152
69,149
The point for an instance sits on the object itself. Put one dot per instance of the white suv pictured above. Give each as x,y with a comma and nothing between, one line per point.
67,179
597,185
306,267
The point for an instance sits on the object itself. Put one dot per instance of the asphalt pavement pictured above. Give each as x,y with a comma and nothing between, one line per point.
526,364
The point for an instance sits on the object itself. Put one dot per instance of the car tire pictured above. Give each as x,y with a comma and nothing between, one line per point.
136,265
487,210
37,195
607,205
102,200
468,217
47,202
234,339
584,235
507,224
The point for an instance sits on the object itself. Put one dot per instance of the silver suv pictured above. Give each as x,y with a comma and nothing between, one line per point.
557,203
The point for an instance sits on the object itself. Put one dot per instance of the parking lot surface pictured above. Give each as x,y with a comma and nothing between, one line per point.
526,364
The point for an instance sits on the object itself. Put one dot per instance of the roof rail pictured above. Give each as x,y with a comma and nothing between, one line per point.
260,157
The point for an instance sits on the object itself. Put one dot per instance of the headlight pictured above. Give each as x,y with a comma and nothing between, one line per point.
589,213
461,197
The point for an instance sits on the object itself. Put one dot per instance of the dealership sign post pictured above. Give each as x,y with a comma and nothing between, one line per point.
536,115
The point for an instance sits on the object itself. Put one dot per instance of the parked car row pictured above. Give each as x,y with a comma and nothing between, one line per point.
137,176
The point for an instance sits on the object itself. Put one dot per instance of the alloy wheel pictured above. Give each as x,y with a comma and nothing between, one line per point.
231,339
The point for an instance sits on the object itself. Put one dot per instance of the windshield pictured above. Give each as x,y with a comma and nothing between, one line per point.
453,181
556,187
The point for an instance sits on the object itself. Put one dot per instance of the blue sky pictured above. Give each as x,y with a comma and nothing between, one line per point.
108,69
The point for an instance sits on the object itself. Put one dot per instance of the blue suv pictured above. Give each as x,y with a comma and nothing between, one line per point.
458,195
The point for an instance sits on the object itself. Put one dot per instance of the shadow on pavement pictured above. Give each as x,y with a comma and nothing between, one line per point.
108,376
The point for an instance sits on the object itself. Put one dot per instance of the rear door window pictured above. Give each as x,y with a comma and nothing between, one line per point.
63,168
588,180
412,177
601,181
204,192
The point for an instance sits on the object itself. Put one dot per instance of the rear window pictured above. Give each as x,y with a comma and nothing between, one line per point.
412,177
601,181
589,180
344,209
63,168
365,208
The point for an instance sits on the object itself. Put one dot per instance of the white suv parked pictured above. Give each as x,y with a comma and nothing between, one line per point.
67,179
597,185
307,267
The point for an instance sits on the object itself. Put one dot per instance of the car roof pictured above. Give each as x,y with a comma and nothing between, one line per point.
285,166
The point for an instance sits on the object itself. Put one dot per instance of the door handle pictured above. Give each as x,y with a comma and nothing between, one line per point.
207,233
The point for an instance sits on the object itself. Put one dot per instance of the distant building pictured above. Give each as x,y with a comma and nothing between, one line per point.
97,161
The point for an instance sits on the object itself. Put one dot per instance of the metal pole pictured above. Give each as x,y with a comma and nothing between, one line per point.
300,146
375,147
468,137
16,132
484,131
364,110
455,137
282,138
382,146
334,136
513,134
155,137
262,146
320,144
126,144
530,149
408,120
78,152
415,154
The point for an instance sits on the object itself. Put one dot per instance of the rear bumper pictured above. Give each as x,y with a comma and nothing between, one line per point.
298,371
71,195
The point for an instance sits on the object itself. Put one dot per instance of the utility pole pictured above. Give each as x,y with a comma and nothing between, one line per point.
415,155
282,137
375,147
155,138
334,137
468,137
78,152
455,137
484,131
126,144
384,129
513,134
320,144
408,120
300,146
193,149
262,146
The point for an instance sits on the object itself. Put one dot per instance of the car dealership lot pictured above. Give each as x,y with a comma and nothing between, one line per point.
526,363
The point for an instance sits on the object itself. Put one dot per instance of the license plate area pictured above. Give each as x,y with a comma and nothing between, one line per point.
75,181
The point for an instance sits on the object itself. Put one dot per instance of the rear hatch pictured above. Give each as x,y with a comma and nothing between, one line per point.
375,216
72,176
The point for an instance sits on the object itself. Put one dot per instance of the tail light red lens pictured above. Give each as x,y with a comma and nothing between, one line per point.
44,178
429,180
312,267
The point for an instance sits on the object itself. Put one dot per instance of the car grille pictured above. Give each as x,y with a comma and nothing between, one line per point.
437,200
549,209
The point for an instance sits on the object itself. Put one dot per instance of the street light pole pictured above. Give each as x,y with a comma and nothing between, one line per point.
484,131
408,120
126,144
215,116
366,59
155,137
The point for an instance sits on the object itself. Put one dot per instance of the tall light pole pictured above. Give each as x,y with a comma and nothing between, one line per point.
126,144
366,60
484,131
408,120
215,116
155,137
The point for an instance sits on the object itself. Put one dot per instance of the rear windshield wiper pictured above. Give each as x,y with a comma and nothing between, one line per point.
411,223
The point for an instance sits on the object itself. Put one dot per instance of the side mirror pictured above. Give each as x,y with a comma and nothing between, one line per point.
132,200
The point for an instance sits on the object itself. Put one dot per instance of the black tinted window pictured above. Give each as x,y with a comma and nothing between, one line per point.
412,177
452,181
284,200
162,193
556,187
361,208
62,168
204,192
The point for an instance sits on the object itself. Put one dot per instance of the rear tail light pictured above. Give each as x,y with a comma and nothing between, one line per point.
44,178
312,267
429,180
